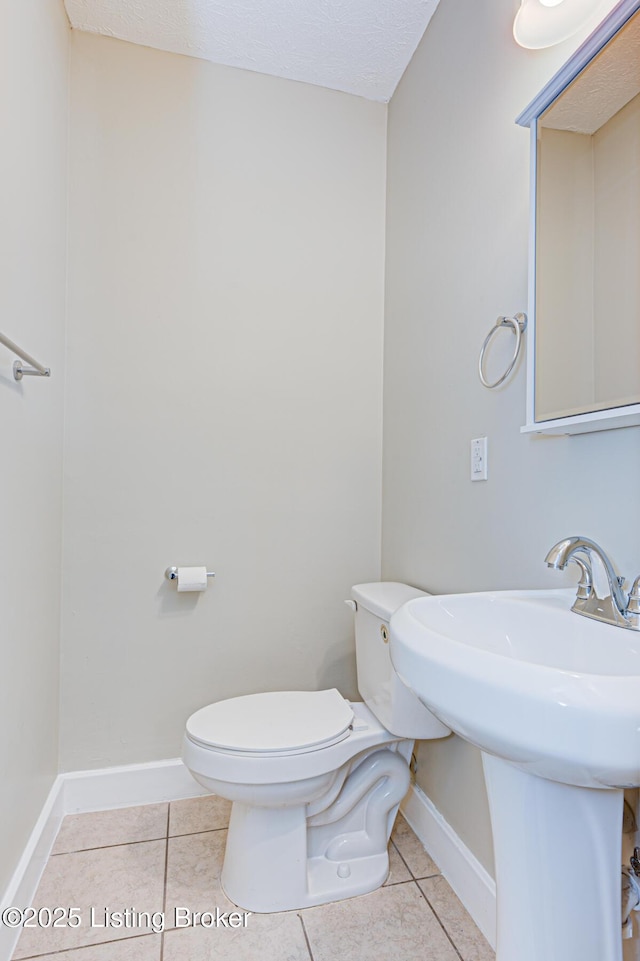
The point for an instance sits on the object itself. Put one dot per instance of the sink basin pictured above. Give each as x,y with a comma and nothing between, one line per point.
552,699
521,676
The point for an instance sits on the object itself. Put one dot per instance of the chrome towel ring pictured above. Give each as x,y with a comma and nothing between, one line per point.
518,324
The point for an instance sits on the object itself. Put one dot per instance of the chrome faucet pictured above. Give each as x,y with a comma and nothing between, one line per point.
616,607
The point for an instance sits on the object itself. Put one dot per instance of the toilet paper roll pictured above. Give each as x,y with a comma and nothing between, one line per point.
192,579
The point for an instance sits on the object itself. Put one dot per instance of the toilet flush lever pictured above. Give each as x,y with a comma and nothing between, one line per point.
352,604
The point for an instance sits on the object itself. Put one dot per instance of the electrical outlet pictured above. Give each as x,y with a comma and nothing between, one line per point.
479,459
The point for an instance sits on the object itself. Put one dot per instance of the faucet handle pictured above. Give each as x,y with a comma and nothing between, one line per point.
633,605
585,584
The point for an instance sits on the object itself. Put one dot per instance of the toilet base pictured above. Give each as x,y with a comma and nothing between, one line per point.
324,885
277,881
283,859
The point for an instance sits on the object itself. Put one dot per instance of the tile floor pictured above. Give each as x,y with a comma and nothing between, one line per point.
161,856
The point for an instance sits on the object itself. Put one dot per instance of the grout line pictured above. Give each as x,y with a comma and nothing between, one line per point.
393,884
188,834
122,844
399,853
436,873
164,886
81,947
437,917
306,937
104,847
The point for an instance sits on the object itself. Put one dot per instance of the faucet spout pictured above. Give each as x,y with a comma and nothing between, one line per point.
612,608
562,552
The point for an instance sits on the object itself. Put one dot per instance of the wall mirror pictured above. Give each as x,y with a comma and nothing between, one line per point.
583,365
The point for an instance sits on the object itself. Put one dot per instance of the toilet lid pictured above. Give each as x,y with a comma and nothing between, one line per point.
282,722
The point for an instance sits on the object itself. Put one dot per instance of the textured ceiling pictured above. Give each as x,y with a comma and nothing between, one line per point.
358,46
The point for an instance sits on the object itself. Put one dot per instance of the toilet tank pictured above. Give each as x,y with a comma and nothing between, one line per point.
395,706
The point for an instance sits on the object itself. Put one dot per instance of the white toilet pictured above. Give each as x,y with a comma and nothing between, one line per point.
315,780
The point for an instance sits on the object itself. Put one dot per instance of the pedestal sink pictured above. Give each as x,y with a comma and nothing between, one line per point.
552,699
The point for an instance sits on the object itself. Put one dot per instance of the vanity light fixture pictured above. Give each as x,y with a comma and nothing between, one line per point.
543,23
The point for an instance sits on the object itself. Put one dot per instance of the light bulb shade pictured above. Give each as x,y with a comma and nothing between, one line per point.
538,24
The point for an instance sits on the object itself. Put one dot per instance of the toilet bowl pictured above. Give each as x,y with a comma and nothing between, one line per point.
315,779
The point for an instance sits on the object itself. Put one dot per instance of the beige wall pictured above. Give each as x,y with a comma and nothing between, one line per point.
33,119
588,290
458,185
616,152
224,393
564,274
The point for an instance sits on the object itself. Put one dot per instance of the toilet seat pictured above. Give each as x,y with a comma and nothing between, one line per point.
274,724
204,760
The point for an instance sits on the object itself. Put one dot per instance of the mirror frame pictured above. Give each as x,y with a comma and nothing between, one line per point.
613,417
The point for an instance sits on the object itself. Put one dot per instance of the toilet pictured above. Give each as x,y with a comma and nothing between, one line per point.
315,779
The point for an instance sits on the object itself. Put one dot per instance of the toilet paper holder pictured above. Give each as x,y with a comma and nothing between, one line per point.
171,573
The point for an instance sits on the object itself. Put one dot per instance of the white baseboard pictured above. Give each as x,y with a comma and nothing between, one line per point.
27,874
82,791
471,882
127,786
79,792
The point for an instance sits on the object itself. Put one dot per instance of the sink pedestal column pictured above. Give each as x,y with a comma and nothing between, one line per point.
557,850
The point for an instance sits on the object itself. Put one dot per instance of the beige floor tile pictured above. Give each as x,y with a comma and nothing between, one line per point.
99,829
467,938
267,937
412,850
394,923
398,870
145,948
130,876
194,863
194,815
